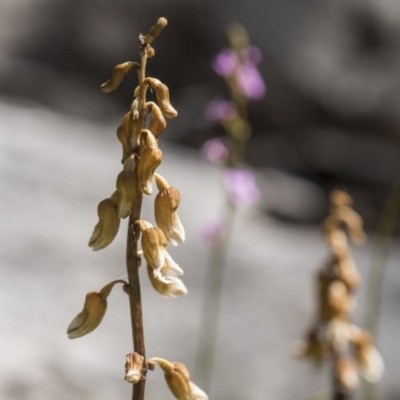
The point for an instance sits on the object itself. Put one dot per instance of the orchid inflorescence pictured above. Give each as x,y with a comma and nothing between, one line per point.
333,335
141,156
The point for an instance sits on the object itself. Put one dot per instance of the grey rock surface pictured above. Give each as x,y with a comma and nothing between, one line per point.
54,170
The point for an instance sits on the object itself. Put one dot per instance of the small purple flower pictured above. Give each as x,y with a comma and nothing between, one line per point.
212,232
250,82
225,62
241,187
252,55
219,110
215,150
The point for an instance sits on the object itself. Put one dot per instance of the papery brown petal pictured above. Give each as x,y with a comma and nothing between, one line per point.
117,76
90,317
108,225
133,368
162,95
157,124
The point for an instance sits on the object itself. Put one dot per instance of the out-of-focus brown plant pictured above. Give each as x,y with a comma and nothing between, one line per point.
333,336
140,158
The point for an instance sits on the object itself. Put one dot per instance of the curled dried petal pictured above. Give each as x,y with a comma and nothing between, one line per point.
157,124
117,76
162,95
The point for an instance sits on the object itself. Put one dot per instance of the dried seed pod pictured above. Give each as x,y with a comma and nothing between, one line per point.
107,227
154,246
126,187
168,290
165,210
117,76
162,95
155,30
134,367
90,317
178,380
157,124
150,159
346,373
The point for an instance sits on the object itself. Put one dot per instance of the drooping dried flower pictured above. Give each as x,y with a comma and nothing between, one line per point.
157,123
165,210
154,246
107,227
117,76
150,159
162,95
178,380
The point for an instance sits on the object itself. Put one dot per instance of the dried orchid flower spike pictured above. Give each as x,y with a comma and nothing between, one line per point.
150,159
117,76
167,290
157,124
178,380
165,210
107,227
154,246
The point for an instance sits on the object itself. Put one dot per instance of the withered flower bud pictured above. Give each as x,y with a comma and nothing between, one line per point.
126,187
150,159
155,30
165,209
150,52
133,368
346,373
178,380
162,95
123,137
340,198
157,124
367,356
134,128
107,227
154,246
117,76
168,290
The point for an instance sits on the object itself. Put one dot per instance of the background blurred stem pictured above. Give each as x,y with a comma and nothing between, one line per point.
212,302
386,229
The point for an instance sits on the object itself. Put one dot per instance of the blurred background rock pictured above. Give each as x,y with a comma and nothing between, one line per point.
330,118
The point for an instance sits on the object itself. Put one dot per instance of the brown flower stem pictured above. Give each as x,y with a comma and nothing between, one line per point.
132,260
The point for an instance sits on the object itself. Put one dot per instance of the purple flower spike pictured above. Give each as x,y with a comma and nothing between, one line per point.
250,82
241,187
220,110
215,150
252,55
225,62
212,232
